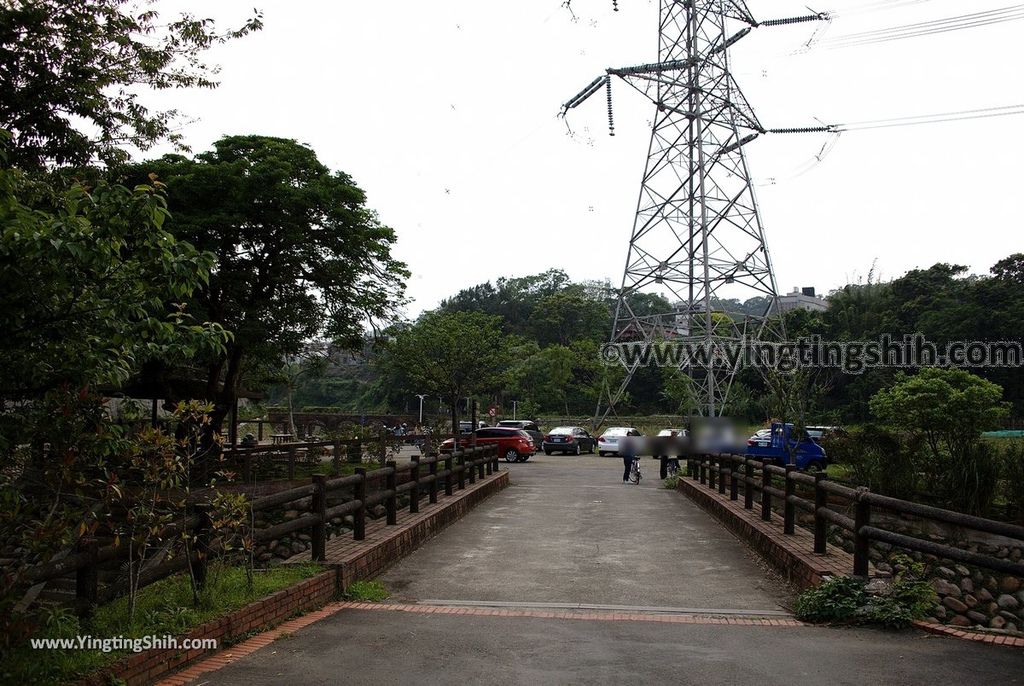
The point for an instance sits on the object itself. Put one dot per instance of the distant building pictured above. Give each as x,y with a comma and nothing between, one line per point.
802,298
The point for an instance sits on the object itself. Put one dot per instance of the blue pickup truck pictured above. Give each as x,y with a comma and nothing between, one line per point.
780,443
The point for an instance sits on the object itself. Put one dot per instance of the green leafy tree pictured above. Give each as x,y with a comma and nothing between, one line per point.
88,292
298,253
63,64
449,355
567,316
950,408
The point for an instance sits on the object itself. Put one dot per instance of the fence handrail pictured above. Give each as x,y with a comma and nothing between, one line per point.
716,470
476,461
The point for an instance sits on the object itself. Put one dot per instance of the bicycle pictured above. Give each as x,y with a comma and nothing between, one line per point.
634,471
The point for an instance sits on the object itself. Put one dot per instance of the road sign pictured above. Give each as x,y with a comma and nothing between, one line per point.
492,411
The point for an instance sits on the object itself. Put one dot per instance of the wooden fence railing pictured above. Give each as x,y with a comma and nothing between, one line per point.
825,499
421,477
247,459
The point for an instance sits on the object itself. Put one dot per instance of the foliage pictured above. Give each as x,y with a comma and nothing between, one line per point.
887,462
64,64
1011,457
87,290
163,608
367,591
834,600
451,355
950,408
845,600
299,255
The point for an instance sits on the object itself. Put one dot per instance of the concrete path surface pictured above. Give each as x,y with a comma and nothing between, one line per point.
614,584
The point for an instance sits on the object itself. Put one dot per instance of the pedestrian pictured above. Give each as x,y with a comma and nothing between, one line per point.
627,449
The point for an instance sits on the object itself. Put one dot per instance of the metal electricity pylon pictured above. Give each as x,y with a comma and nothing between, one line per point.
697,235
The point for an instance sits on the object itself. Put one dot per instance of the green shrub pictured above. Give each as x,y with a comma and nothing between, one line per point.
884,461
1011,459
834,600
844,600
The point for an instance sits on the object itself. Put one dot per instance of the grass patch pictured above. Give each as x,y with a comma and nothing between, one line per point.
165,607
367,591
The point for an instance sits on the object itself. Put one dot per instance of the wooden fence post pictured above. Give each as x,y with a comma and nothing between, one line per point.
748,485
472,453
701,468
712,472
291,463
433,481
460,460
483,460
359,519
414,492
247,467
355,451
734,483
87,583
820,523
336,456
766,497
789,518
448,475
861,543
390,482
722,472
318,532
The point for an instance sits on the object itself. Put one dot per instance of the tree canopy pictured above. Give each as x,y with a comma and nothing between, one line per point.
72,72
297,254
451,355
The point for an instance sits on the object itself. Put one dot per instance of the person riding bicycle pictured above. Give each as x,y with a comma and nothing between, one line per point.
627,449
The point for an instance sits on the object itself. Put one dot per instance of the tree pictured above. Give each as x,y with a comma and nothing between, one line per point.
64,63
298,253
88,292
950,408
567,316
450,355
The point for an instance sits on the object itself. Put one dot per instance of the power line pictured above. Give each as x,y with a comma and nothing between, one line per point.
959,23
938,118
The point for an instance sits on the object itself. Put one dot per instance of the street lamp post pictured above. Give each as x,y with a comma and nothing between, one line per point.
421,397
514,402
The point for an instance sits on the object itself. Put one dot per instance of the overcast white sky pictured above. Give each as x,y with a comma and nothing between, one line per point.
444,113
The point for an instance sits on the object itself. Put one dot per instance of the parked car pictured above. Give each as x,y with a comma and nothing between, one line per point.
784,441
608,441
569,439
529,427
466,426
761,437
515,445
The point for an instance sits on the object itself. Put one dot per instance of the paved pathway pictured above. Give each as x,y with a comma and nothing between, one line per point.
568,576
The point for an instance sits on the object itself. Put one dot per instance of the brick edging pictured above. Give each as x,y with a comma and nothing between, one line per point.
976,636
149,665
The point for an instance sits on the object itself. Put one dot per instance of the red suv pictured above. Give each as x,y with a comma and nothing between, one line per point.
515,445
